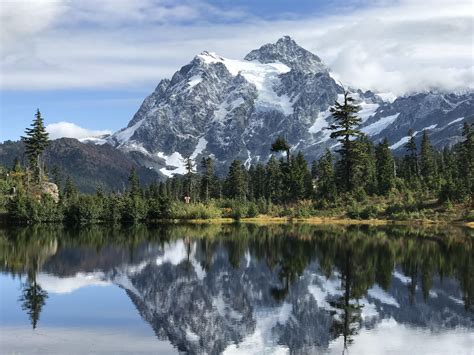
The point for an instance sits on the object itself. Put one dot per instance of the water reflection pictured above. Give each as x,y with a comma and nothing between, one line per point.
254,289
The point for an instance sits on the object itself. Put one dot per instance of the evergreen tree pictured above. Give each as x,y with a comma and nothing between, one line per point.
385,166
258,181
70,190
134,183
326,186
314,169
411,170
273,178
36,141
427,161
16,166
236,181
190,167
364,169
33,299
300,179
57,176
207,178
344,130
466,161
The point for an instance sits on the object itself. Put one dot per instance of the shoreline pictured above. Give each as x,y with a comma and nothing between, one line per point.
264,219
318,221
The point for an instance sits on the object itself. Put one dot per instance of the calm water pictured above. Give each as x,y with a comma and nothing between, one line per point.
234,289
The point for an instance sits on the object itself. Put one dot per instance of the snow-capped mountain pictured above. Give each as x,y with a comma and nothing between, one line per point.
234,109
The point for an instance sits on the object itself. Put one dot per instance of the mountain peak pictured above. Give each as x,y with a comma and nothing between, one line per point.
288,52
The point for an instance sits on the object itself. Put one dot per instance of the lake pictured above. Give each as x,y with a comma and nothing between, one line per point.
237,289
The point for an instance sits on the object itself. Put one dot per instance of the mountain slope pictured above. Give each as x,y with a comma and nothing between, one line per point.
234,109
90,165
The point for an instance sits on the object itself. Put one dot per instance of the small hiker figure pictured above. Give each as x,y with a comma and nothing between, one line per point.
187,199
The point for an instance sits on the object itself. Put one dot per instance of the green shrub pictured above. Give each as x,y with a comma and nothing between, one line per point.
134,209
239,210
158,208
369,212
252,210
84,209
303,209
179,210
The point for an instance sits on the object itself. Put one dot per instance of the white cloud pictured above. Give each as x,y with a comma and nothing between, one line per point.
388,46
71,130
55,284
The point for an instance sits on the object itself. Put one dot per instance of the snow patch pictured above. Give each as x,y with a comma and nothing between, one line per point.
95,140
378,293
367,110
175,160
261,340
380,125
177,252
263,76
455,121
226,107
401,277
125,134
191,336
433,126
401,142
387,96
194,80
201,145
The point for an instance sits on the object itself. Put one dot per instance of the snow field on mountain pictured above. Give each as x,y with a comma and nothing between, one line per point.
263,76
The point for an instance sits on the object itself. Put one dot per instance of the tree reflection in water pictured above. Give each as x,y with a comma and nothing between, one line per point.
282,256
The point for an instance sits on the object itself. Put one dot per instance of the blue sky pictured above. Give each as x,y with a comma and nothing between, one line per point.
92,63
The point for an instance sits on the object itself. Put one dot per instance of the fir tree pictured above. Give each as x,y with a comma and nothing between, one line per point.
364,169
411,158
258,180
36,141
300,179
236,182
273,178
190,167
466,161
33,299
207,178
385,168
70,190
326,187
427,161
134,183
344,130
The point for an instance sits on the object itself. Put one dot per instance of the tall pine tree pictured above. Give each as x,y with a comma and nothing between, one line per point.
427,162
36,141
385,166
345,131
236,182
326,186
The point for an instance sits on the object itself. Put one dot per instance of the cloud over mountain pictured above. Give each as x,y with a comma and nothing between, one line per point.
401,47
70,130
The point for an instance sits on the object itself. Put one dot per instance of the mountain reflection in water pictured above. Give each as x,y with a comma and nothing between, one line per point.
262,289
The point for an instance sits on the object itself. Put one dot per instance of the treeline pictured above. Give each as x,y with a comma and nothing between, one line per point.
362,180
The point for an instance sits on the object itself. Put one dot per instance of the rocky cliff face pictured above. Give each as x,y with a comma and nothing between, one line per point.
234,109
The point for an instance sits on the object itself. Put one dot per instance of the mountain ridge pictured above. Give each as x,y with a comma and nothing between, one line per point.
233,109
